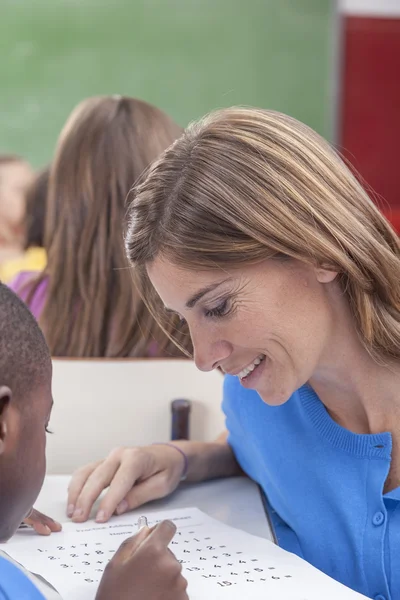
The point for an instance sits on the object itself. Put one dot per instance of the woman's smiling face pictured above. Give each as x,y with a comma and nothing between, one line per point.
267,323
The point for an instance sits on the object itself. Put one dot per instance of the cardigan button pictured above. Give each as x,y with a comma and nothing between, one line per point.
378,518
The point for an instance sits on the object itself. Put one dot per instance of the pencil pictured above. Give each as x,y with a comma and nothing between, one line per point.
142,522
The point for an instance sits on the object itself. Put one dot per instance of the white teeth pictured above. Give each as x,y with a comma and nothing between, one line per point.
251,367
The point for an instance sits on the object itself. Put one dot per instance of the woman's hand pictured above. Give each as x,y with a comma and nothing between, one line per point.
144,568
133,475
42,524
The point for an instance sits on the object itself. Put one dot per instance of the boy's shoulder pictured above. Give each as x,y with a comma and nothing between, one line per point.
14,584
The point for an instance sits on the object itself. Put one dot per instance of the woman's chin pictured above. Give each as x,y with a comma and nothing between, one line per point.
275,396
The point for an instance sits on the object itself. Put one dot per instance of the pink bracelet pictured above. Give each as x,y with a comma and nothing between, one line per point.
185,458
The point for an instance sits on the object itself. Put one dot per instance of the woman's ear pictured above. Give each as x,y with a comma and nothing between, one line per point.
325,274
5,398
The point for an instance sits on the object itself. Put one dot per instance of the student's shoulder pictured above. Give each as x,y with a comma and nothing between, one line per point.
22,282
14,584
22,285
34,259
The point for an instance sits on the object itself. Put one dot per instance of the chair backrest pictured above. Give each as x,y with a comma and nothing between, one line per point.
100,404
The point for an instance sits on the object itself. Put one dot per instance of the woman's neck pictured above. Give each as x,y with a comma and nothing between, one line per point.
359,393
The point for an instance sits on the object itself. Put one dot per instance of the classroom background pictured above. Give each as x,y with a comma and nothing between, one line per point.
92,92
333,64
328,63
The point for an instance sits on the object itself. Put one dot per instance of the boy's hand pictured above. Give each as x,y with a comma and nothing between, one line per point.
42,524
144,568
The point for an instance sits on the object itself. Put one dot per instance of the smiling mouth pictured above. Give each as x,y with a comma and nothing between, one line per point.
250,368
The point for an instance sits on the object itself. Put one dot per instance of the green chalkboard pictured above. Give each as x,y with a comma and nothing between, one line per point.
185,56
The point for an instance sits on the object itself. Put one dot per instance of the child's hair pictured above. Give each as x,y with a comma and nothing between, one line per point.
92,308
6,159
24,355
245,185
36,210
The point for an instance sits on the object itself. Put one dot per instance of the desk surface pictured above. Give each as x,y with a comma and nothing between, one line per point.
235,501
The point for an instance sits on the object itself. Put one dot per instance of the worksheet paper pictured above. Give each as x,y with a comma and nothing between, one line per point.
218,561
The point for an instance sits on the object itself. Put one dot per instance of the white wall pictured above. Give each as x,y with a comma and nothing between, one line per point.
372,8
101,404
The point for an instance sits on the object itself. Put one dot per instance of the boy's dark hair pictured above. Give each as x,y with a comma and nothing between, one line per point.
36,199
24,356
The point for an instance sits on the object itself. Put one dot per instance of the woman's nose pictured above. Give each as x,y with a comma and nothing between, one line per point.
209,354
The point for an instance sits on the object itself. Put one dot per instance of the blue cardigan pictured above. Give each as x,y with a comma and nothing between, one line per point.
324,484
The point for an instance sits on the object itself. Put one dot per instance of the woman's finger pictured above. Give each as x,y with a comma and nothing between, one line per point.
131,469
78,480
100,478
152,488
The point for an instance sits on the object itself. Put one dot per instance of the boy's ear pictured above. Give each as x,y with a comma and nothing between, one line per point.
5,398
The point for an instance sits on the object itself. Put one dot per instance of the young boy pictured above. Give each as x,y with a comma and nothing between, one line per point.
143,568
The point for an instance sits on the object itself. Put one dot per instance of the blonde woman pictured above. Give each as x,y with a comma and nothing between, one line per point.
253,232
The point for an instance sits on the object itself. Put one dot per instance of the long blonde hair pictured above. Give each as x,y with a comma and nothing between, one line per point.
92,308
243,185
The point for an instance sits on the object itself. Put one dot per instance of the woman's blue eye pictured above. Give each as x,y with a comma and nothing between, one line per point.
219,311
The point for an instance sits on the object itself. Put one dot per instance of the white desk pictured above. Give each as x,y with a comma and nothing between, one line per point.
235,501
